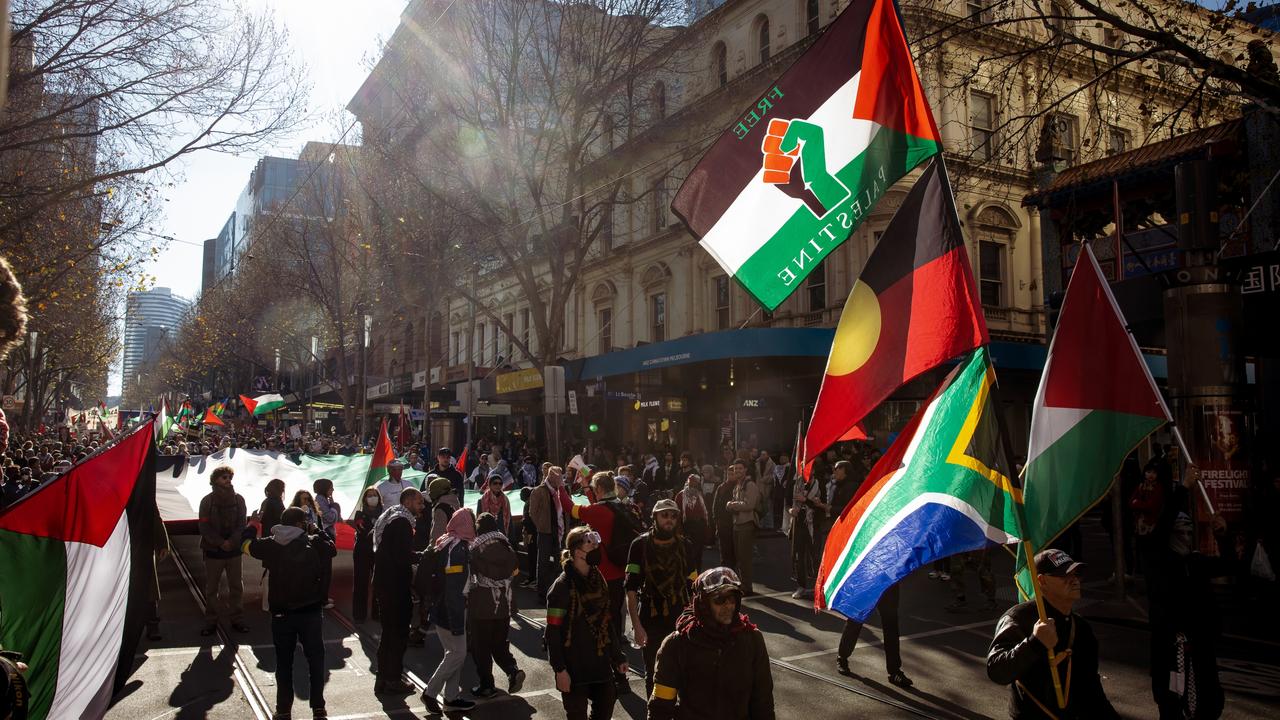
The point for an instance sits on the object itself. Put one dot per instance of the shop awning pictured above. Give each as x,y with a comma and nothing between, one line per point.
773,342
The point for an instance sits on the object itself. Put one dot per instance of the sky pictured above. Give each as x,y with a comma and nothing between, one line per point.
335,45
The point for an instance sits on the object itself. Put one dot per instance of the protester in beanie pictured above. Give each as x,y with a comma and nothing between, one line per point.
444,503
296,553
272,505
715,665
490,604
222,522
362,556
448,613
583,643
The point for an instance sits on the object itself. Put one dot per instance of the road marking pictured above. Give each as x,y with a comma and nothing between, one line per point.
879,640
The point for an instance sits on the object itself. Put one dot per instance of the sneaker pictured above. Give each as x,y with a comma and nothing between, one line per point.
842,665
329,603
458,704
433,705
933,574
798,594
515,681
484,693
945,577
900,679
319,714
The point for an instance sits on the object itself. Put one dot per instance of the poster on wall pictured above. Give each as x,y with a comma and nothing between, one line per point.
1223,435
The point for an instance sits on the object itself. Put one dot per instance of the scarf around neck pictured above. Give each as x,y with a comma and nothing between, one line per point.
391,513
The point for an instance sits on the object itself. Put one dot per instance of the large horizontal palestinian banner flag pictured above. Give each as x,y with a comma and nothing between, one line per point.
75,568
181,481
1096,402
262,404
807,162
913,307
936,492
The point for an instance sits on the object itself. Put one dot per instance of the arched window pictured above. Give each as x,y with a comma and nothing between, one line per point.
720,64
762,37
995,229
658,101
811,16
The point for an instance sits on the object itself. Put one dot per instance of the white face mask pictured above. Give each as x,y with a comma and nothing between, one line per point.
371,501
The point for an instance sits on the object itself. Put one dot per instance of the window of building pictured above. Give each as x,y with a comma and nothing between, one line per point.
816,285
606,330
1112,37
982,124
811,16
720,64
723,302
1064,129
456,341
658,317
510,321
658,206
978,10
991,264
762,37
435,348
658,101
492,350
1117,140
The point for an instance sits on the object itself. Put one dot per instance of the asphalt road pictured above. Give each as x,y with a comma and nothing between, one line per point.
187,676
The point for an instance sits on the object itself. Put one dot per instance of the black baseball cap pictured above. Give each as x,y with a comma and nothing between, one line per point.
1056,563
445,451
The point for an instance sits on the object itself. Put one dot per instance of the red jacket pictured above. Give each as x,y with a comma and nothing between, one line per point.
600,518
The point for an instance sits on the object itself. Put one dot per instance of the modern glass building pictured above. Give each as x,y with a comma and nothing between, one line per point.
148,318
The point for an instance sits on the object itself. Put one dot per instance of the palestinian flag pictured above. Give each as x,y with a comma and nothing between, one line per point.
1096,402
383,454
164,424
913,307
262,404
211,418
810,158
936,492
76,558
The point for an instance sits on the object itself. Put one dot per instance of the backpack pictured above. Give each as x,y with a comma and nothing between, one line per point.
428,580
627,526
295,578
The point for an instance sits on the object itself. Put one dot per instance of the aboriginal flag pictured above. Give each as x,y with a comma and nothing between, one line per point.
913,307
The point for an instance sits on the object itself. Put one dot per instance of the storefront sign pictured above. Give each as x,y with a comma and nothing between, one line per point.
754,403
529,379
647,404
674,404
573,402
620,395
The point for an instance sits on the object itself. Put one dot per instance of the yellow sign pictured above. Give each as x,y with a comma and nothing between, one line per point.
519,380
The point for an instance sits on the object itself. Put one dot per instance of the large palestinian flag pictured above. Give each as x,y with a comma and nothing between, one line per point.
1096,402
75,558
807,162
262,404
913,307
936,492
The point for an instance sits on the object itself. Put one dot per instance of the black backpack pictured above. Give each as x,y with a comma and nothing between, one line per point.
295,579
627,526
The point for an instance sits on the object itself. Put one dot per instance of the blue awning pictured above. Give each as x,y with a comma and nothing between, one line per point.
775,342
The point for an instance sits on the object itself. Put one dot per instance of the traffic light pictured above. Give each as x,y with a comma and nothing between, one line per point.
593,427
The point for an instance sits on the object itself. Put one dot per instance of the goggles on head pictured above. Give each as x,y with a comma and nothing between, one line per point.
717,579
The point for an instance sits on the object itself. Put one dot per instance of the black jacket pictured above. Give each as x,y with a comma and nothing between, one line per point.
455,478
1016,658
363,523
295,560
843,493
580,657
450,609
705,676
393,562
269,513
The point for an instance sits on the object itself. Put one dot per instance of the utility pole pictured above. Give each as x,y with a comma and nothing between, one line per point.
471,365
367,321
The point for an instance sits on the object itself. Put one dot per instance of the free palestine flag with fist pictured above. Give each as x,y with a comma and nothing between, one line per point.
75,558
809,159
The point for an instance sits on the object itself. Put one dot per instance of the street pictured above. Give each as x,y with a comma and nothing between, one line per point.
186,676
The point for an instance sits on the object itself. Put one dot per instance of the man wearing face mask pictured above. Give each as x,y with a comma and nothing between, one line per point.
715,665
660,567
1019,656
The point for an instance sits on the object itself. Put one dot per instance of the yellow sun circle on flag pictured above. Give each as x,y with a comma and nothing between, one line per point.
857,333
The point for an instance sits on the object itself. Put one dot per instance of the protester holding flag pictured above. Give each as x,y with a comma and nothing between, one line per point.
1018,656
806,502
222,521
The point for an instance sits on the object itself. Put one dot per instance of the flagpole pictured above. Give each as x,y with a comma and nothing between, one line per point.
1027,548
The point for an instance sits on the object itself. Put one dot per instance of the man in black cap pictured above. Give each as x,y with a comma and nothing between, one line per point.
1019,653
445,469
661,566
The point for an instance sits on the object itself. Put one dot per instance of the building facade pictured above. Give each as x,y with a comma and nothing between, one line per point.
662,348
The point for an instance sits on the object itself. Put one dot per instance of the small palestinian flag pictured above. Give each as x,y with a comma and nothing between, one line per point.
1096,402
913,307
75,556
383,454
262,404
808,161
211,418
